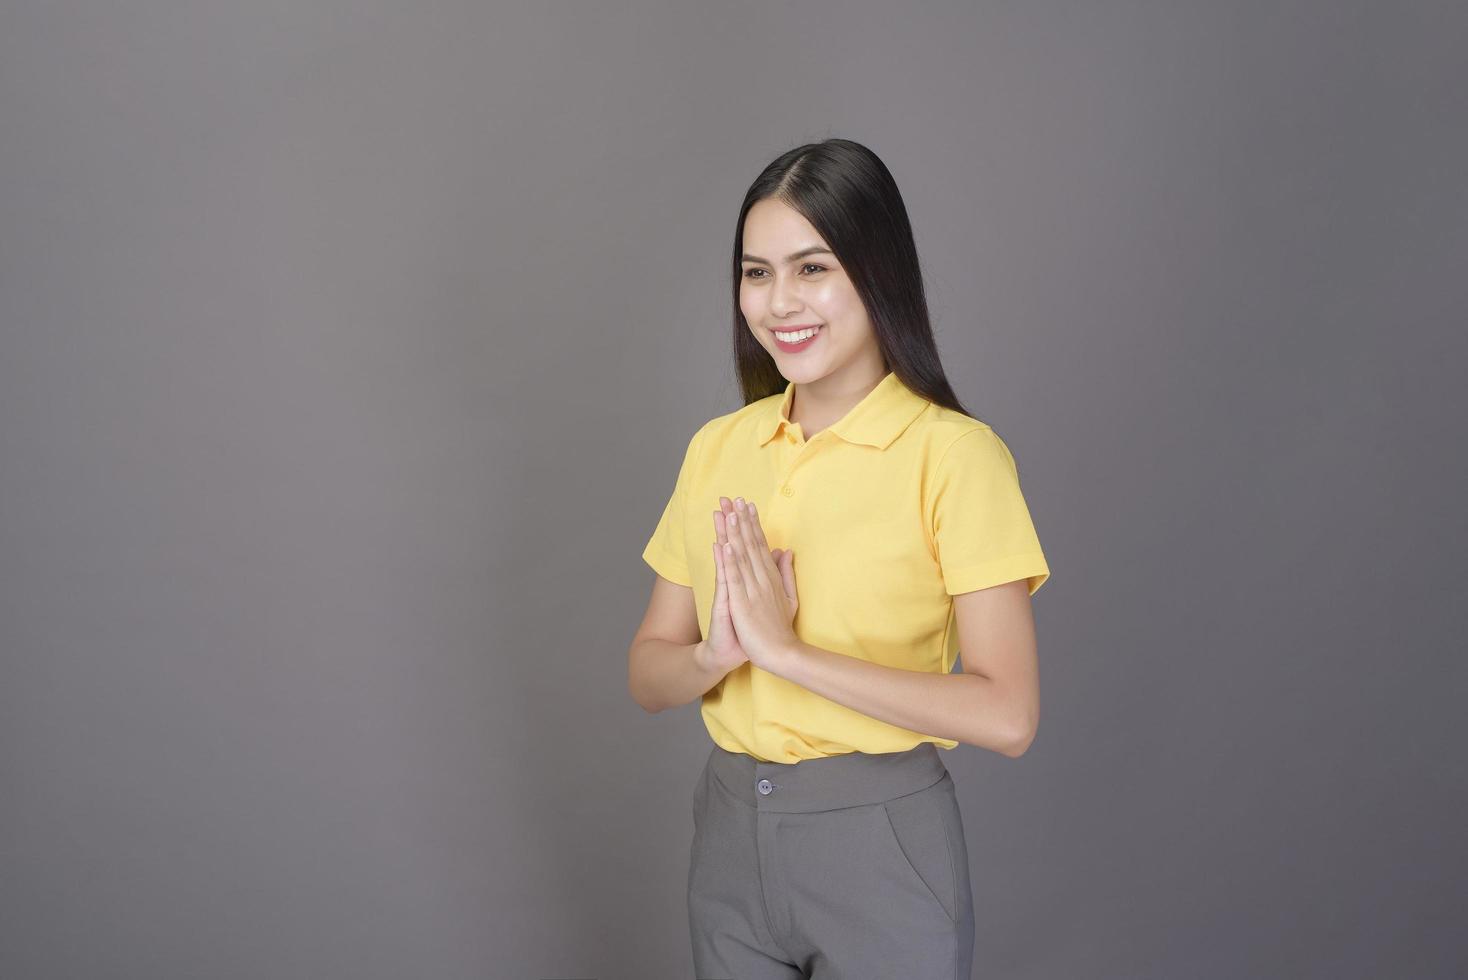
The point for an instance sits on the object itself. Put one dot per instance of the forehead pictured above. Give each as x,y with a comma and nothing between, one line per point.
773,229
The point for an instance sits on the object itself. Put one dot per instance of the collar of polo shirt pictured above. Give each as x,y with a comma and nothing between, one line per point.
876,420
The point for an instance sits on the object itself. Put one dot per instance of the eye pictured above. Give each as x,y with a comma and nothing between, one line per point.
749,273
812,265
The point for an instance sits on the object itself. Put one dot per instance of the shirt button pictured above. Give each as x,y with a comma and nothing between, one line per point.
786,491
765,787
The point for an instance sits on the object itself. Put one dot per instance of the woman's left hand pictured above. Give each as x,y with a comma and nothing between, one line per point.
762,596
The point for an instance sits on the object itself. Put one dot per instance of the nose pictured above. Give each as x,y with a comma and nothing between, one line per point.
784,296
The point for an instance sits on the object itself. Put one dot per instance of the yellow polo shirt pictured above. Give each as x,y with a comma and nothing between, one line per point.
890,512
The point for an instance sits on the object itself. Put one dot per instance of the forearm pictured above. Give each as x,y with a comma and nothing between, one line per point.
965,707
661,674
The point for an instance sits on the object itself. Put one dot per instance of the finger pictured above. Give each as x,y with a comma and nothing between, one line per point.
752,567
718,569
721,537
728,547
740,551
771,567
787,573
726,511
755,528
731,571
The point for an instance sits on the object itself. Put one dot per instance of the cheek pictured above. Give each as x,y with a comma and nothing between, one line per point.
747,304
839,304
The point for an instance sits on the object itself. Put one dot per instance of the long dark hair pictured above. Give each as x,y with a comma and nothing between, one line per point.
845,191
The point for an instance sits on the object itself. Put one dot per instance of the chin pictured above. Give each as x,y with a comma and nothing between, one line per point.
804,373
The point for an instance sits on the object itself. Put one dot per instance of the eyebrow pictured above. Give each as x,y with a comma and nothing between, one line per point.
811,250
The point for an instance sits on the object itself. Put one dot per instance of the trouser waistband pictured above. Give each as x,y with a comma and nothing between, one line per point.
826,783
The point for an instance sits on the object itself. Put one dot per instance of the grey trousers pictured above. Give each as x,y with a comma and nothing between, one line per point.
849,867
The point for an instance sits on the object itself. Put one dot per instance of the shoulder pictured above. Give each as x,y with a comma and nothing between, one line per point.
961,449
943,432
741,426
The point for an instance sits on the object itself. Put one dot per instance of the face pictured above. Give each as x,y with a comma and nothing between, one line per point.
791,280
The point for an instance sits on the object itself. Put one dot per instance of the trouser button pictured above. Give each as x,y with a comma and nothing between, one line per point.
765,787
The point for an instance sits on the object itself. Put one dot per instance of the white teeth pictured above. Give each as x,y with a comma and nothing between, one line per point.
797,336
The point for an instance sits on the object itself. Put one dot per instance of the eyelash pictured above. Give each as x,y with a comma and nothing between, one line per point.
808,265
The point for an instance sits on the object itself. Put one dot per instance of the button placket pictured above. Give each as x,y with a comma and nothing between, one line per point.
772,886
787,481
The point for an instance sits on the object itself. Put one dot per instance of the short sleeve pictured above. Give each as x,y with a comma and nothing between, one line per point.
982,530
666,550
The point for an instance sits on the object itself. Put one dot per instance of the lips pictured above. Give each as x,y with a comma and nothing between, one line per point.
802,345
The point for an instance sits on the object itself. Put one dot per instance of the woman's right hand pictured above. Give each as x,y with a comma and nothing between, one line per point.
721,648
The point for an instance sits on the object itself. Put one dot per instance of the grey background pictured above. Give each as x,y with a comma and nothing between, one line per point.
349,351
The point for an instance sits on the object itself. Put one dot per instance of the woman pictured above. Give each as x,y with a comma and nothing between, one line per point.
827,836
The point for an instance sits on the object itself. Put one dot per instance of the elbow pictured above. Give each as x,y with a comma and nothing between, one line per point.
644,703
1019,746
1009,726
632,690
1022,736
635,690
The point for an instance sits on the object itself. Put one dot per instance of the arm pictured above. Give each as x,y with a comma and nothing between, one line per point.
664,674
993,703
668,662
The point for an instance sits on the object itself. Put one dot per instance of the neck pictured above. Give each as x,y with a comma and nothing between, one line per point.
817,404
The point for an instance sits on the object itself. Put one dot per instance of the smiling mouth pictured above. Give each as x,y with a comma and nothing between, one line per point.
802,338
